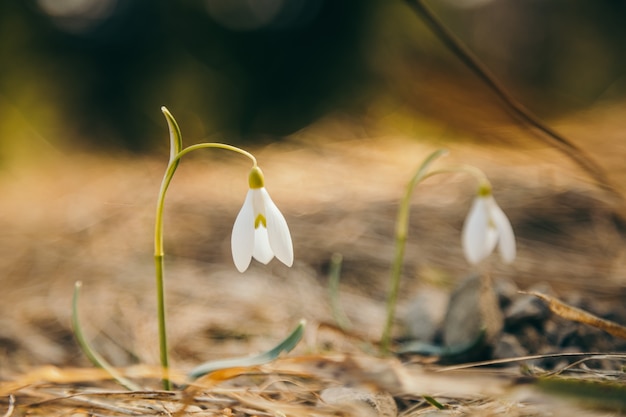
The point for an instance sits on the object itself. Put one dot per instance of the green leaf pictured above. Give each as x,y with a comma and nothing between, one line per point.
89,351
334,275
447,354
285,346
430,400
176,137
592,393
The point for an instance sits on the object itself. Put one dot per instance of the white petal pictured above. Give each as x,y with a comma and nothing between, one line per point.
493,233
277,231
491,240
475,236
262,249
258,201
242,238
506,241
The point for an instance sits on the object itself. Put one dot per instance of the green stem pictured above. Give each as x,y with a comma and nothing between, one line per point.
158,243
165,363
480,176
402,230
167,179
334,276
402,226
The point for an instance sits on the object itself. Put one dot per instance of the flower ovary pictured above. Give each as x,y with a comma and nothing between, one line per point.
484,190
256,179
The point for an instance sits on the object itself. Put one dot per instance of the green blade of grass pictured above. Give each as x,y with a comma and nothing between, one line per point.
285,346
334,276
93,356
593,393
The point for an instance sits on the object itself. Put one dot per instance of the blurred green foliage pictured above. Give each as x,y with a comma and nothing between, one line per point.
103,79
94,73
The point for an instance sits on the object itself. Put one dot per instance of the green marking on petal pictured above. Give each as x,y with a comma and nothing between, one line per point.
260,219
256,179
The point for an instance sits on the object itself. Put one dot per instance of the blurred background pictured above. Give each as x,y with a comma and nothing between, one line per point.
93,73
318,90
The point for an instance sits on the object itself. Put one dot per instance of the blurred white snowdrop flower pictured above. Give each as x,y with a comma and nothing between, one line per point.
485,227
260,230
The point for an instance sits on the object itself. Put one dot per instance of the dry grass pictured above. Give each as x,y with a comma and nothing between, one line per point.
89,218
293,387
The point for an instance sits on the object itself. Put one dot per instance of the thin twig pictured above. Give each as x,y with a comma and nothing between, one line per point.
550,136
588,355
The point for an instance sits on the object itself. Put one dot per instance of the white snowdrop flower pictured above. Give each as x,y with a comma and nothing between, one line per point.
260,230
485,227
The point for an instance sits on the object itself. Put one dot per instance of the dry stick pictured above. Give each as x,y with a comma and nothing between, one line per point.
551,137
572,313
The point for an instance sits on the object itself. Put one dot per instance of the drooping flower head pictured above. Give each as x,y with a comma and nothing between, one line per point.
260,230
485,227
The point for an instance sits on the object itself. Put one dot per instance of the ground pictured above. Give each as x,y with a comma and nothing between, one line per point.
81,217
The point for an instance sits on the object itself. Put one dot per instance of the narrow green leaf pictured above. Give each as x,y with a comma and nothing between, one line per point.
334,275
446,354
430,400
89,351
176,137
285,346
593,393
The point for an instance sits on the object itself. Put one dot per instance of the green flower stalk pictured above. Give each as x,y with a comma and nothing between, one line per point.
260,230
485,227
402,230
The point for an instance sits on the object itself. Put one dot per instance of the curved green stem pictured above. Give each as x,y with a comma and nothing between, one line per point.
478,175
167,179
176,144
402,227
